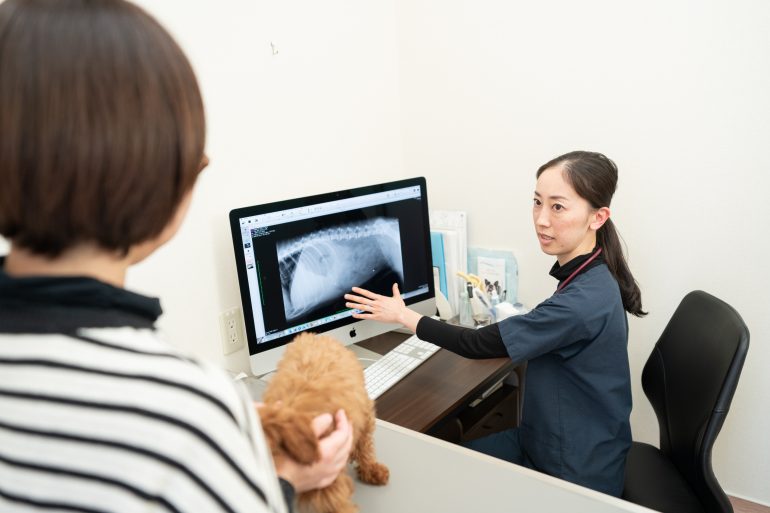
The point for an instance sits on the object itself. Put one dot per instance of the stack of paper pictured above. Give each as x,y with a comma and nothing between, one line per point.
451,227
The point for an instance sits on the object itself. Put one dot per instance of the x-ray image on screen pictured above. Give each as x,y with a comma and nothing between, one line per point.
318,268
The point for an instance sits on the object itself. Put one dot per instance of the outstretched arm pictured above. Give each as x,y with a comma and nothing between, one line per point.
471,343
382,308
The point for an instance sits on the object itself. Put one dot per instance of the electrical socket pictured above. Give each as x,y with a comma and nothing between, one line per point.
231,327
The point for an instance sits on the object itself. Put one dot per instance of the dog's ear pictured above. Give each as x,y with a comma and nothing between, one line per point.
268,417
291,432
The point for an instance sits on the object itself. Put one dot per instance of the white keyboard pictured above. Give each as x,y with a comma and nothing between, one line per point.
400,361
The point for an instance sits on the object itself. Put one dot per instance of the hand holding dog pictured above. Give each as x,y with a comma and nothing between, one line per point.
316,375
382,308
334,449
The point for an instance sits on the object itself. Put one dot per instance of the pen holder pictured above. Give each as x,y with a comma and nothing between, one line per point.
482,319
466,315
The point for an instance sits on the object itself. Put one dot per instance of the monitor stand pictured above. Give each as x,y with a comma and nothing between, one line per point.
366,357
255,386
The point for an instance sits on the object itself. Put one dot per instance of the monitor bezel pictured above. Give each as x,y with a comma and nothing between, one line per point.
237,214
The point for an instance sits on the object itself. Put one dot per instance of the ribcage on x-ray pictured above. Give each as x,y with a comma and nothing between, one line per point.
321,267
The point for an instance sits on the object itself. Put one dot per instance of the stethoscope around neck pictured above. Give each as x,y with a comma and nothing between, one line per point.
577,271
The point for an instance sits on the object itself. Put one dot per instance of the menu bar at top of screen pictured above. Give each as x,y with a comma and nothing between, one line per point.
330,207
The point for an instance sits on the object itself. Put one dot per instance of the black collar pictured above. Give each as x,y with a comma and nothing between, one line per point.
562,272
64,304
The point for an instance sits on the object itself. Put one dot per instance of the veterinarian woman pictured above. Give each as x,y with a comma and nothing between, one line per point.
575,419
103,137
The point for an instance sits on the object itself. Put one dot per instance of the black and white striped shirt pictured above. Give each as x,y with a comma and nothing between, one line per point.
98,415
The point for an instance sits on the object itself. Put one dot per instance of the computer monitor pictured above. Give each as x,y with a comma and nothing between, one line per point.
297,258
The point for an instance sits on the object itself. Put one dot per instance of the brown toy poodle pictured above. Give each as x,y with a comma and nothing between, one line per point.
319,375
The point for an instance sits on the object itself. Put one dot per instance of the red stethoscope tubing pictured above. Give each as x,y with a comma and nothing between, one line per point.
575,273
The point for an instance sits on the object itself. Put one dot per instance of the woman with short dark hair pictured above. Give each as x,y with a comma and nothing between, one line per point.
102,140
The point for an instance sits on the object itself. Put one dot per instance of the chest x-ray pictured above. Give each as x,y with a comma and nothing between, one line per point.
320,267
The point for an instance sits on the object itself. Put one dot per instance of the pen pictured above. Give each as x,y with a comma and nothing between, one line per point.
483,298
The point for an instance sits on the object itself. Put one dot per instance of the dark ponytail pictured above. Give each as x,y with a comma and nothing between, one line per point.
595,177
607,238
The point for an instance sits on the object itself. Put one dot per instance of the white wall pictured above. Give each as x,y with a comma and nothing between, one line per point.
475,95
319,115
675,92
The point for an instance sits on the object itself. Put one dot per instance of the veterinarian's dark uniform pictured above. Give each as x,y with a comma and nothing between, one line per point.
575,418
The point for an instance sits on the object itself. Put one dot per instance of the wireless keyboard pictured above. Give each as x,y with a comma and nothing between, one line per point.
400,361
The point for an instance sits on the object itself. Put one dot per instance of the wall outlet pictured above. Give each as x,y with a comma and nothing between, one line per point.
231,326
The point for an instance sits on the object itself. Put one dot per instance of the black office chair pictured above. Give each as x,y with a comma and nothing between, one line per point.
690,379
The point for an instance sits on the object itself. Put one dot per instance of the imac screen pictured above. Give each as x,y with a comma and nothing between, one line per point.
297,258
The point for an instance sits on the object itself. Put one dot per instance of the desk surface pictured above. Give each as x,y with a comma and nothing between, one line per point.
427,475
438,388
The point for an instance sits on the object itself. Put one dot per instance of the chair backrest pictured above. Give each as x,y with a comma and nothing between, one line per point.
690,379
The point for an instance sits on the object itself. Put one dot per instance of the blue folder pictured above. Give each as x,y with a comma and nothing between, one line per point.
437,249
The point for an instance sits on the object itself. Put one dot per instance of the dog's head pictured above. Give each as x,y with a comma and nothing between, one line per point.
289,432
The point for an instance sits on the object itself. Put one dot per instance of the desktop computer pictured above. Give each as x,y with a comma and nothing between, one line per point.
296,259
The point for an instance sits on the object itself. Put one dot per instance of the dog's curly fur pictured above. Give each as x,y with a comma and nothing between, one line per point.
318,375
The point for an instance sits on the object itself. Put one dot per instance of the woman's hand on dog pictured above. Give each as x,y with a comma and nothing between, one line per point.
382,308
335,452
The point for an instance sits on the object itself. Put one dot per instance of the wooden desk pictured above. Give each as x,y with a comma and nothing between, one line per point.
436,390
